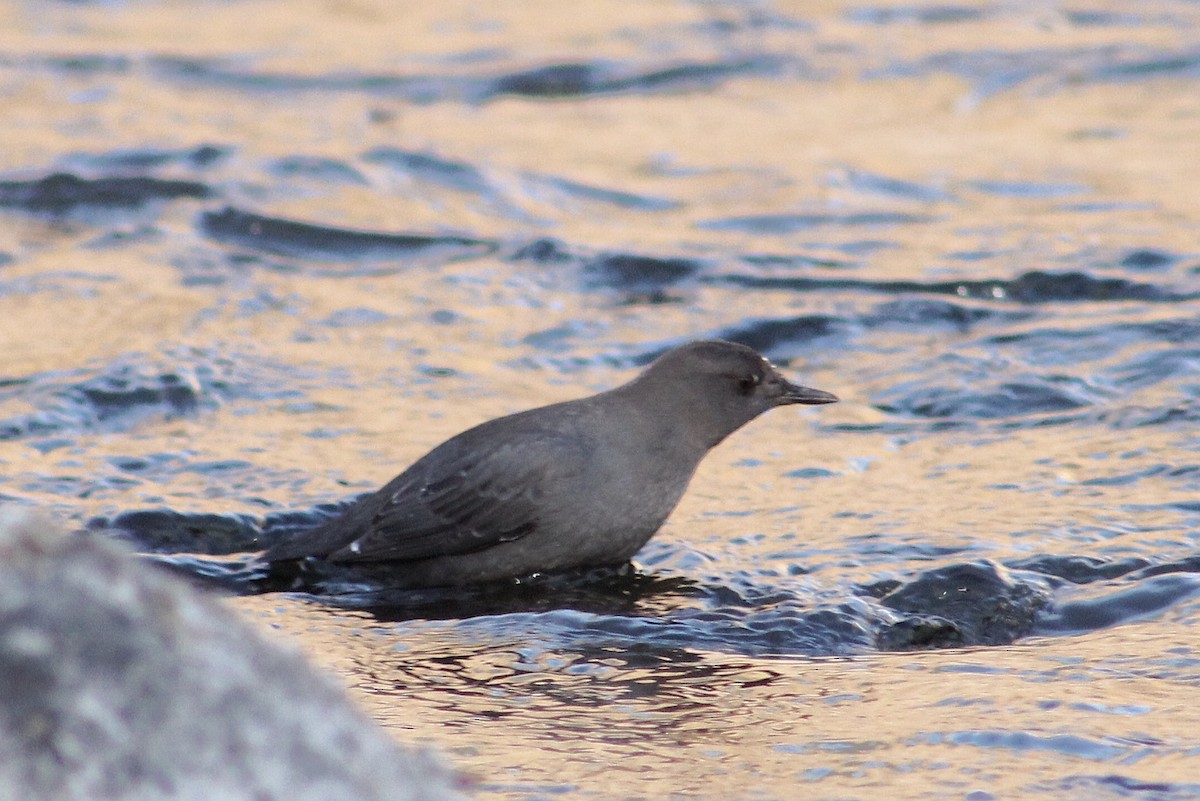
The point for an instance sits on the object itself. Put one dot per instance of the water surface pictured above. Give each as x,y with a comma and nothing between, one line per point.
256,257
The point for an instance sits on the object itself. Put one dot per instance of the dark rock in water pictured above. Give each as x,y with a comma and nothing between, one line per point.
983,601
120,682
168,531
61,192
879,589
920,633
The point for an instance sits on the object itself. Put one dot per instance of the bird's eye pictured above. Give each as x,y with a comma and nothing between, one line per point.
748,384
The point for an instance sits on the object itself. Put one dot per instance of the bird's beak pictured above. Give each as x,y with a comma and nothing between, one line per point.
794,393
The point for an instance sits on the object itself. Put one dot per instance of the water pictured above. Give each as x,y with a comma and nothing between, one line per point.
256,257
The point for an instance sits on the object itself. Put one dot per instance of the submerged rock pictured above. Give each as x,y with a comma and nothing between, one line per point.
118,681
973,603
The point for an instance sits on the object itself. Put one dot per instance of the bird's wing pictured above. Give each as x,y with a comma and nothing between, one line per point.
475,499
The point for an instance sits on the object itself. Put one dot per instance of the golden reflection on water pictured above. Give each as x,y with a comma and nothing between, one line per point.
530,717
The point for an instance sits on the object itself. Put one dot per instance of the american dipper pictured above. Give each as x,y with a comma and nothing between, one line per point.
584,483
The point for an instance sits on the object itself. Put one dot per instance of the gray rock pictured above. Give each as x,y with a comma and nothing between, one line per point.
119,681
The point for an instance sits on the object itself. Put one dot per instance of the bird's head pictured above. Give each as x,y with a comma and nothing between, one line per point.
716,387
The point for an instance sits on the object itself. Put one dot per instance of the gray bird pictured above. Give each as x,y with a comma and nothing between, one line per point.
583,483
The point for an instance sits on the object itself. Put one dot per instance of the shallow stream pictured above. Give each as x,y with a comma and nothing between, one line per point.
256,257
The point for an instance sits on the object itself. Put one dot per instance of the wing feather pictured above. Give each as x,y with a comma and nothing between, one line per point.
469,502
